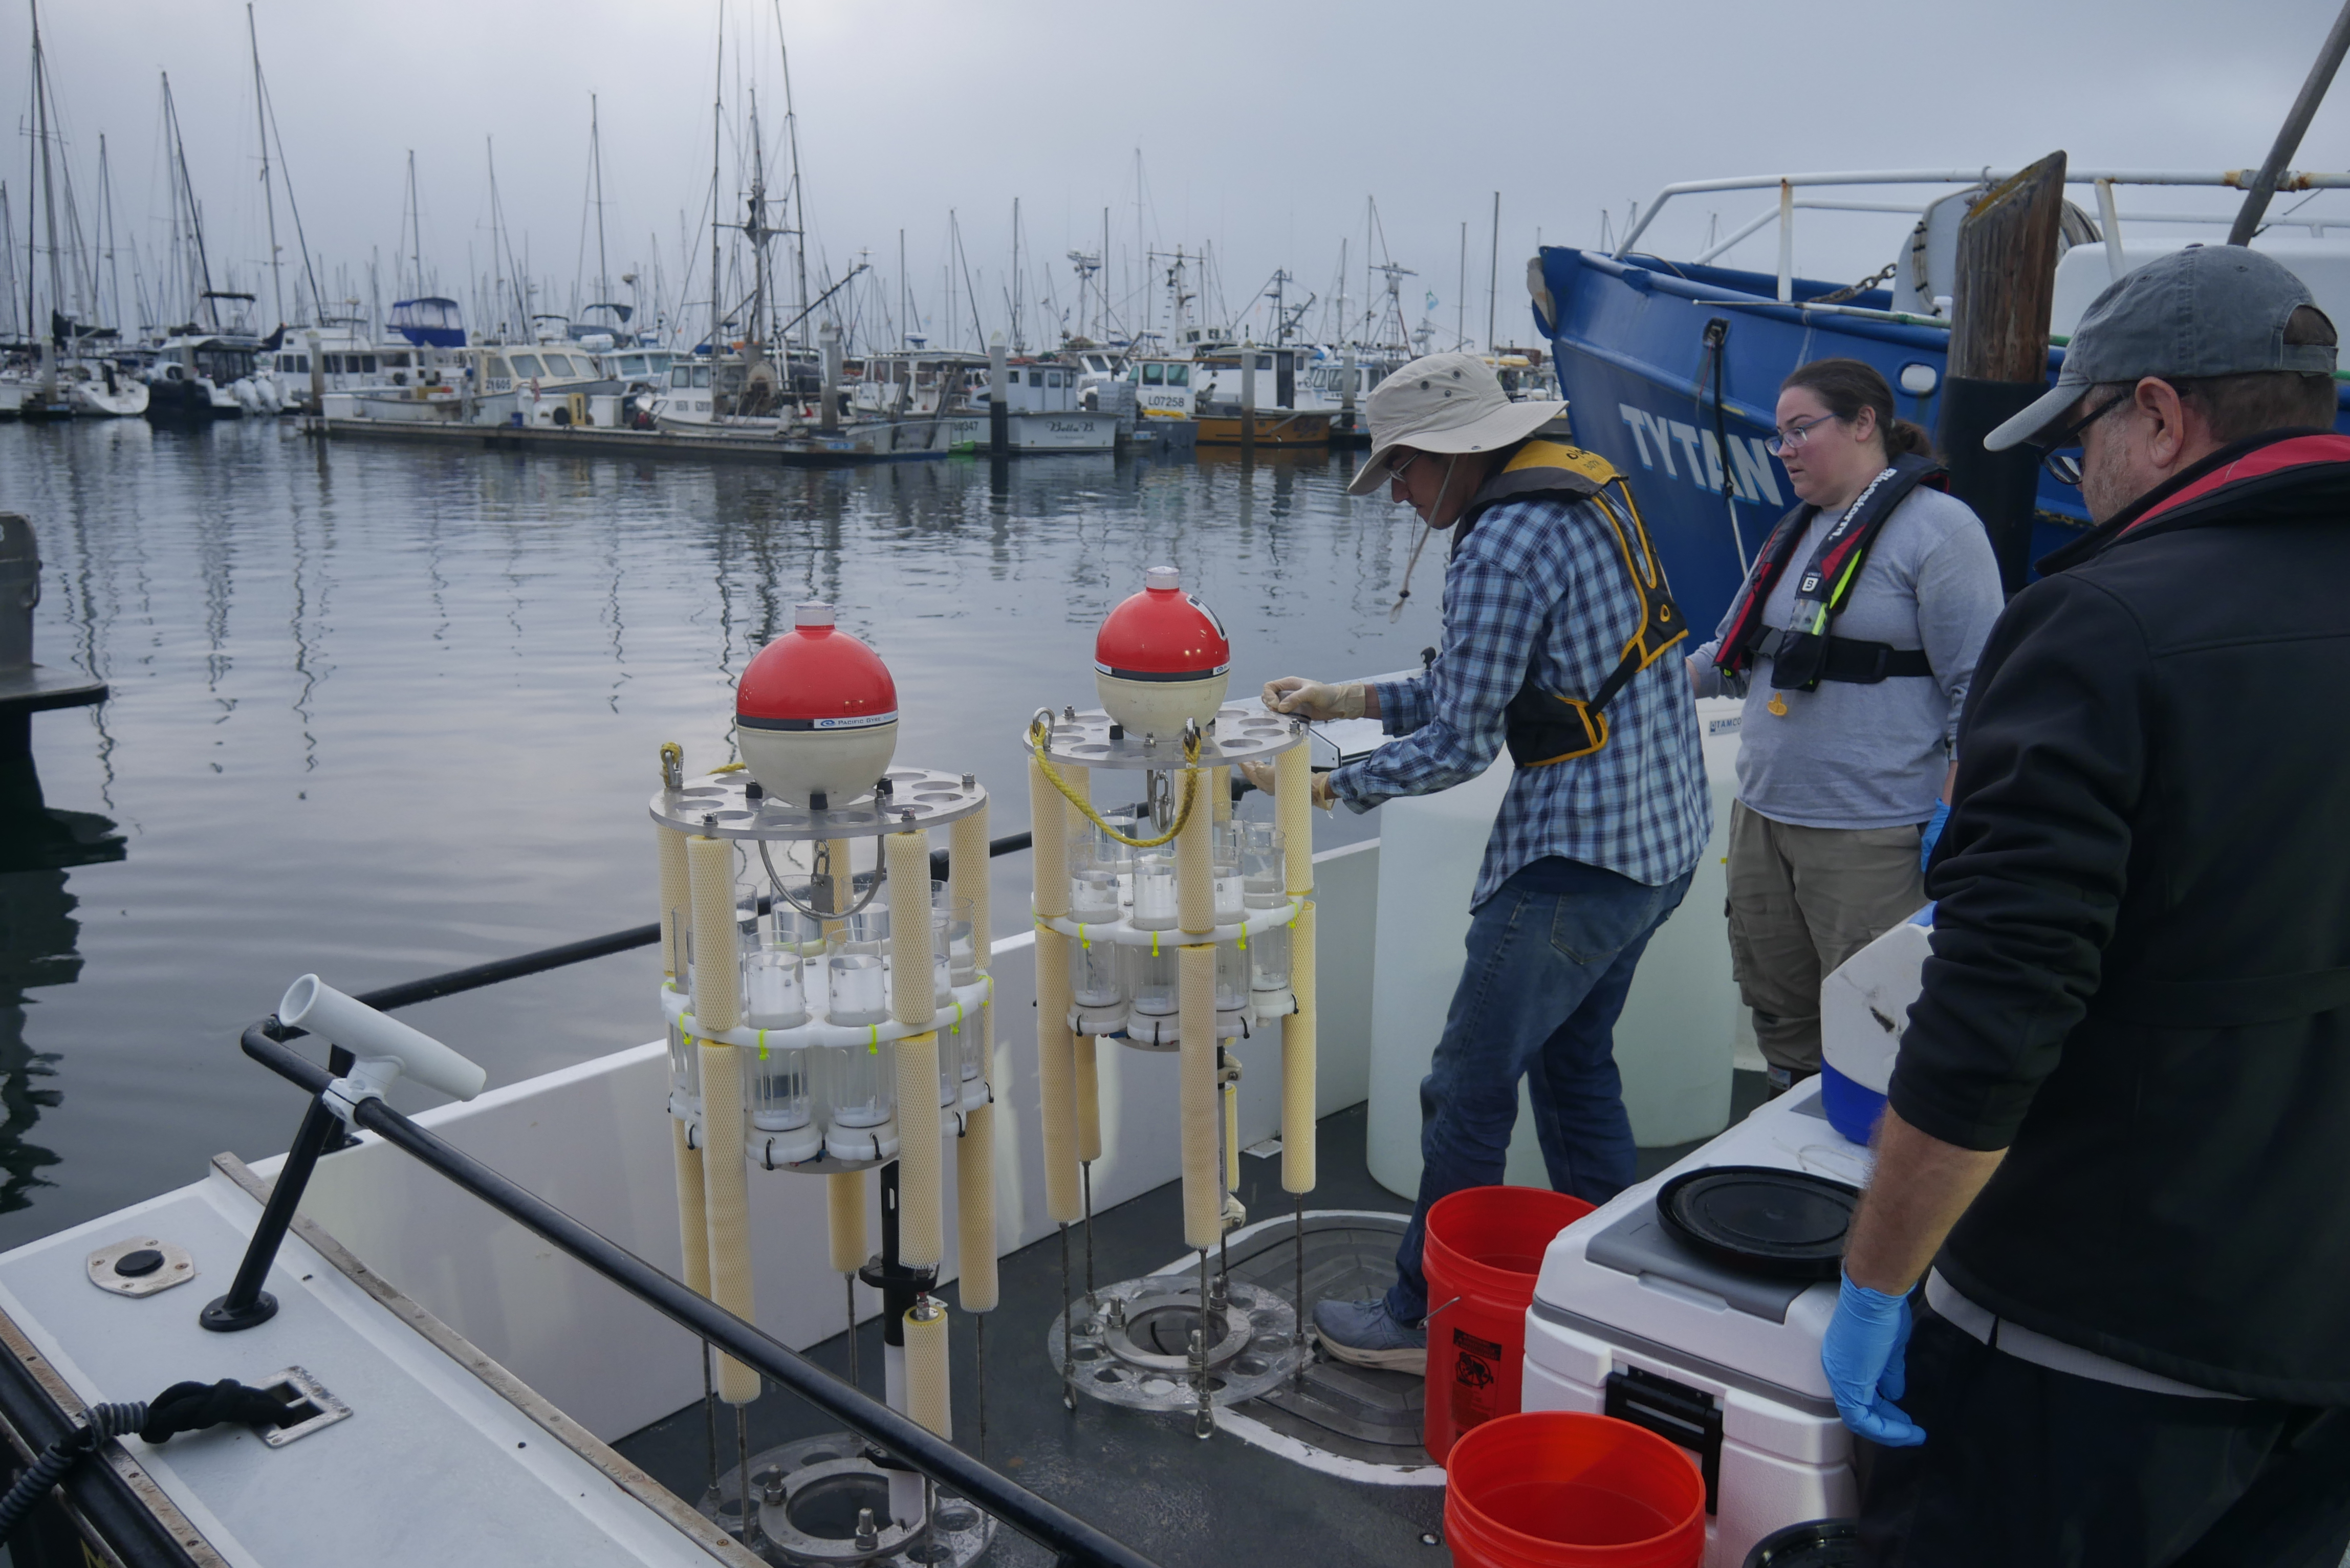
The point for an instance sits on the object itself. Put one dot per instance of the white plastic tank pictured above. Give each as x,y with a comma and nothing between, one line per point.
1864,1007
1674,1041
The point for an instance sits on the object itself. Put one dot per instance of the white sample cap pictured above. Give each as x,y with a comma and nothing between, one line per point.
812,612
1165,577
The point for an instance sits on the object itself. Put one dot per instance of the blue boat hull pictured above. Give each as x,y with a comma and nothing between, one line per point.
1629,342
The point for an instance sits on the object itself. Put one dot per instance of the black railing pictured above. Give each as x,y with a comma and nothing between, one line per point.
1071,1539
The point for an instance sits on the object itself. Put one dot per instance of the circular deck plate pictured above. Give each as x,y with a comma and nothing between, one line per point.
172,1264
825,1481
714,804
1145,1365
1240,734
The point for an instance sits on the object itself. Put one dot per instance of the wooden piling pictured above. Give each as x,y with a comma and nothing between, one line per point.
999,402
1999,353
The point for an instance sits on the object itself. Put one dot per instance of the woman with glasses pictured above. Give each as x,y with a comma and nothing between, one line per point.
1851,642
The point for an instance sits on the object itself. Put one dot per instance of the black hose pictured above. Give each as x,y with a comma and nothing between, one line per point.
181,1407
105,1421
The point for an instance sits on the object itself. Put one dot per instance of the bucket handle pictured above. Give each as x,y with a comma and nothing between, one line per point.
1431,1315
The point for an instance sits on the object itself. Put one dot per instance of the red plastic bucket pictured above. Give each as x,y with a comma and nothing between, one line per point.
1560,1488
1485,1246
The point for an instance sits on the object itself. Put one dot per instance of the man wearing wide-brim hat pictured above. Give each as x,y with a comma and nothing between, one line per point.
1555,617
2112,1187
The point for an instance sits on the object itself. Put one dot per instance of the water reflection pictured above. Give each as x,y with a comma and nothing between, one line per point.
37,932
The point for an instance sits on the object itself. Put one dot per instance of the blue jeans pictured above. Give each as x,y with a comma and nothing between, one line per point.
1551,955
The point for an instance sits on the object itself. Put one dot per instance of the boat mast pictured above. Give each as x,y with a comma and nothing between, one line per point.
268,197
499,243
106,214
1016,345
799,190
415,228
717,114
755,229
596,156
48,204
202,272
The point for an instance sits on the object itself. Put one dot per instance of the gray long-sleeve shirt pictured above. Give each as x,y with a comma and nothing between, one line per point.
1847,755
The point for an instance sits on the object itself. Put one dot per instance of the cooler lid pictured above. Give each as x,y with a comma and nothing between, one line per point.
1788,1224
1639,1244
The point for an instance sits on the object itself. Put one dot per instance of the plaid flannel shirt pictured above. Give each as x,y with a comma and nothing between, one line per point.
1539,585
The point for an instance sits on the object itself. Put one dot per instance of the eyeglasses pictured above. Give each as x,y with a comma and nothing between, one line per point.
1795,435
2063,469
1395,471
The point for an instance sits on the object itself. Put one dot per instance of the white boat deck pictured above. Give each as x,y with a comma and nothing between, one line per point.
435,1464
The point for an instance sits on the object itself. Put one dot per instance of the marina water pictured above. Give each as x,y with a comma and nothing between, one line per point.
380,712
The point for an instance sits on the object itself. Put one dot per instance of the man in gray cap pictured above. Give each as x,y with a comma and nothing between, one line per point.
2117,1148
1555,617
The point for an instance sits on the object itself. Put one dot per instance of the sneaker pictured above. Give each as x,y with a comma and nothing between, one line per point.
1364,1333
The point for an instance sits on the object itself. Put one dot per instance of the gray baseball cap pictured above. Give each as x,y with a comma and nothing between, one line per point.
2208,310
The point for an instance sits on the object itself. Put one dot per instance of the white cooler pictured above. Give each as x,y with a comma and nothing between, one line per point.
1628,1322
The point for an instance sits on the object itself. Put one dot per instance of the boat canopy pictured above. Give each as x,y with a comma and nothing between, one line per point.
430,322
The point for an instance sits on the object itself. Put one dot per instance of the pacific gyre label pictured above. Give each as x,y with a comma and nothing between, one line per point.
853,722
1476,1380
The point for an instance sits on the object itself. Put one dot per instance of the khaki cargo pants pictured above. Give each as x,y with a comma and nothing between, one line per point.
1803,901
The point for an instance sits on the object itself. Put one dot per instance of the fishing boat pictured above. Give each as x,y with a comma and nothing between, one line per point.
1671,367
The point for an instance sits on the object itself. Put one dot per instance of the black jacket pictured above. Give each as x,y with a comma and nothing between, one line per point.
2140,980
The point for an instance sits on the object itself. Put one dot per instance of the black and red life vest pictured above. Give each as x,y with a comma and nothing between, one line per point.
1807,652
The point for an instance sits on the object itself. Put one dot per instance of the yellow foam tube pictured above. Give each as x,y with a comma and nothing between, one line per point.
913,996
1195,886
725,1184
927,1386
1055,1070
1297,1090
975,1209
1221,781
717,958
844,1193
967,875
1087,1091
921,1192
1203,1202
1049,847
1292,801
693,1219
676,897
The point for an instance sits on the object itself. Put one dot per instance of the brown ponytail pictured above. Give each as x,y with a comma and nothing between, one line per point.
1848,386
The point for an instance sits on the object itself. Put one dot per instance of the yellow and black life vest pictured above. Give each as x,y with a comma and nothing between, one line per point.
1546,727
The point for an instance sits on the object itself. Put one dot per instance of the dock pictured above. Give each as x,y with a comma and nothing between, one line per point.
812,450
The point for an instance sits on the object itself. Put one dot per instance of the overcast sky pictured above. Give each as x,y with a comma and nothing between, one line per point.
1261,128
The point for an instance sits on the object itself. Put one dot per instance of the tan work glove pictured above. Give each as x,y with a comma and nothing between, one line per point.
1261,774
1313,698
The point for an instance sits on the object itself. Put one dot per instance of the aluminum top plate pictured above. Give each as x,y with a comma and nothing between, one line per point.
1238,734
715,804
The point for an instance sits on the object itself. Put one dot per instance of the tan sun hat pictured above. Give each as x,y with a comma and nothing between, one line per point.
1444,403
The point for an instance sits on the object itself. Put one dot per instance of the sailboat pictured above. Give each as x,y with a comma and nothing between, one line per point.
69,374
206,367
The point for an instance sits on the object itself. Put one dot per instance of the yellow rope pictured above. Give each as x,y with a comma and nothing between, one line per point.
1037,733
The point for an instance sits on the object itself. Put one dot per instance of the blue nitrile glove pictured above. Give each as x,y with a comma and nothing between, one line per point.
1861,1353
1932,834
